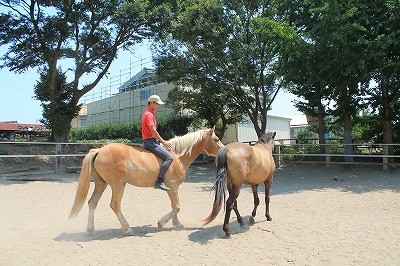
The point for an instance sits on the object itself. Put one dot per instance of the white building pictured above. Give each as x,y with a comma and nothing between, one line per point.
245,132
297,123
127,105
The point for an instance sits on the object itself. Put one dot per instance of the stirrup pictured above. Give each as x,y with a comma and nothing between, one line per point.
161,185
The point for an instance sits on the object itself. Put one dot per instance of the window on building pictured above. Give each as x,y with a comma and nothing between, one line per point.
144,94
292,133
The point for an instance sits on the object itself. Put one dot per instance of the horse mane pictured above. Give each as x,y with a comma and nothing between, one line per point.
183,144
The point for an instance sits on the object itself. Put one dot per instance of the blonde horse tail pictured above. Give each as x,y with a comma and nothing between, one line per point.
83,182
219,186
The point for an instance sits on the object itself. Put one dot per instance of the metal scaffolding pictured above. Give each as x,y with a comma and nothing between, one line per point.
124,98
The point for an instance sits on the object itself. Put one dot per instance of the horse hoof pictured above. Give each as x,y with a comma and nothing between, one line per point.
251,220
128,231
179,226
269,218
160,225
90,232
241,223
227,235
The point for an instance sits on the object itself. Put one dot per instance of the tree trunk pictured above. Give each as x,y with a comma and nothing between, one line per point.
263,128
61,137
259,130
321,128
61,127
344,97
347,138
223,127
387,138
387,121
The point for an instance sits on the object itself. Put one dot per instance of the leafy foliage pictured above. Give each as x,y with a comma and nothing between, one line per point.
90,33
224,48
59,109
168,126
341,51
204,104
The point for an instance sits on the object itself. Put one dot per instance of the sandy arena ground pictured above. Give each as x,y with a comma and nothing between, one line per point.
320,217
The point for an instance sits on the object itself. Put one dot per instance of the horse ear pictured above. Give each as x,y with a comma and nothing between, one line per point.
212,130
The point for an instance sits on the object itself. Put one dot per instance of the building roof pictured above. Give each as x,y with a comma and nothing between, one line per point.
138,81
299,120
18,127
280,117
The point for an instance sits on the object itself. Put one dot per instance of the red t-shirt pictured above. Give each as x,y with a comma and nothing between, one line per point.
148,120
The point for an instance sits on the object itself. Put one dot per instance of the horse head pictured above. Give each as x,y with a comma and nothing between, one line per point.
212,144
268,139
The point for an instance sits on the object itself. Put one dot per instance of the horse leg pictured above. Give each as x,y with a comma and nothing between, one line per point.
256,203
99,187
176,207
239,218
267,199
230,202
173,196
117,193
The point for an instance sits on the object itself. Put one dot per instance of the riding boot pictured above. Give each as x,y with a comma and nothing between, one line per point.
161,185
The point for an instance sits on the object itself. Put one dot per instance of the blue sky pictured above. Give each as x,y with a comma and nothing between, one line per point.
16,90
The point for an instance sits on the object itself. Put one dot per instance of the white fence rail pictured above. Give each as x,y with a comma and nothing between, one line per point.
363,152
368,154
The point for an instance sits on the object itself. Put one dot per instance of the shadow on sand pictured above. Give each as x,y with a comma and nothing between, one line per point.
294,178
198,235
108,234
205,235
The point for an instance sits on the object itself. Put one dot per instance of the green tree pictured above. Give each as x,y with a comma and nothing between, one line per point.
301,70
225,46
55,115
87,33
347,45
205,104
338,37
384,35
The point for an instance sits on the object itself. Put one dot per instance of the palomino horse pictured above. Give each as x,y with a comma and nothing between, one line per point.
118,164
239,163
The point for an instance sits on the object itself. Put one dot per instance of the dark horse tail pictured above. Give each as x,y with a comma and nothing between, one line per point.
219,186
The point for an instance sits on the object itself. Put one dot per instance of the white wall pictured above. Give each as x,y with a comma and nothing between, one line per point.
245,132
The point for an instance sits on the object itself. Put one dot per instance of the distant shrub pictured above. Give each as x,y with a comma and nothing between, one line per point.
168,127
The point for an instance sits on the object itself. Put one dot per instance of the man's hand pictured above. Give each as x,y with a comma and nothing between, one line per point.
167,145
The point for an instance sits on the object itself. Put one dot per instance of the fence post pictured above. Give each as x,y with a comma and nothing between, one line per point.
385,160
278,158
327,156
58,158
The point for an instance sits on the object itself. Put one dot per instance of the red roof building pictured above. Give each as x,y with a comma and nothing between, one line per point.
8,130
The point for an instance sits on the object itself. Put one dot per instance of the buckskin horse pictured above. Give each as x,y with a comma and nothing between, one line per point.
239,164
117,164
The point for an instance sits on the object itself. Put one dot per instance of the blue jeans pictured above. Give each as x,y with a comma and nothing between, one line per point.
155,147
